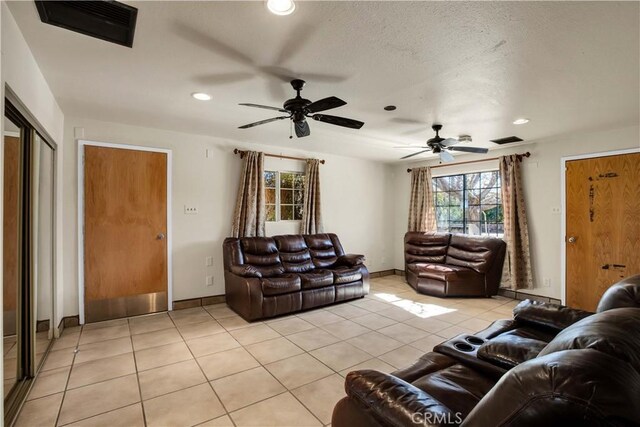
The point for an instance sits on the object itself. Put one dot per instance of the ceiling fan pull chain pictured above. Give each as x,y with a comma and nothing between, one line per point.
291,129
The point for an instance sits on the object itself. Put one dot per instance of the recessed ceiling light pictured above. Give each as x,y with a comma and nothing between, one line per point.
521,121
200,96
281,7
390,107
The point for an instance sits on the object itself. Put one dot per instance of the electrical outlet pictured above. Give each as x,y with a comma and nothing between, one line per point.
190,210
209,261
209,280
546,282
555,210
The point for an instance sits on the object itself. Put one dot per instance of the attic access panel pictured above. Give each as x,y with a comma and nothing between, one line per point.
107,20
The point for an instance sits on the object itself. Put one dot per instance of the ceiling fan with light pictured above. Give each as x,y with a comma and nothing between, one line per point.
299,109
442,146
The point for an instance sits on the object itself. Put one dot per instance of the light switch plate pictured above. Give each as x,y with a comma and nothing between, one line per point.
190,210
209,280
209,261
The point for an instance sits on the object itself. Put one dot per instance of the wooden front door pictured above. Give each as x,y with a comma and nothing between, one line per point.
603,226
125,227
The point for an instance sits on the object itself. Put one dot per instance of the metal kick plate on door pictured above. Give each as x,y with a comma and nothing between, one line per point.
112,308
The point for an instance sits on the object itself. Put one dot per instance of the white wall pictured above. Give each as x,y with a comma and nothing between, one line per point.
355,196
541,176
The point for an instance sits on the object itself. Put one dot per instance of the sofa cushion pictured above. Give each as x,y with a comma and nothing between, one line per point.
294,253
316,279
325,249
425,247
262,253
282,284
442,272
473,252
346,275
625,293
510,349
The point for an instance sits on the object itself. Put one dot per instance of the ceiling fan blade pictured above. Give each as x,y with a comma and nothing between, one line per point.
470,149
408,147
414,154
302,129
339,121
325,104
261,122
446,157
449,142
266,107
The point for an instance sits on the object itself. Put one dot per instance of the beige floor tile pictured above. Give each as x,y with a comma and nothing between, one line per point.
321,396
404,333
281,410
223,421
453,317
244,388
492,316
273,350
396,313
129,416
470,310
375,364
345,329
169,378
402,357
197,330
49,382
99,350
320,317
186,407
505,310
312,339
66,341
99,398
98,370
454,330
40,412
291,325
426,344
474,324
103,334
375,343
190,316
374,321
298,370
58,359
371,305
220,311
347,311
254,334
227,362
154,322
212,344
428,324
156,338
235,322
105,324
340,355
164,355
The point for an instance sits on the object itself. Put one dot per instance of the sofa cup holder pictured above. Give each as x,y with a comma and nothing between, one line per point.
463,346
475,341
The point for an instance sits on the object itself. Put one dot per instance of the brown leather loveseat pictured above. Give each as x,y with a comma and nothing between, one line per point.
271,276
443,264
548,366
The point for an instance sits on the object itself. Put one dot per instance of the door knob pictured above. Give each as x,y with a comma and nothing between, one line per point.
572,239
160,236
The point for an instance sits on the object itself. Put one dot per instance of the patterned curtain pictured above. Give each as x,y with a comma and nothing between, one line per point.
516,229
422,214
249,215
312,208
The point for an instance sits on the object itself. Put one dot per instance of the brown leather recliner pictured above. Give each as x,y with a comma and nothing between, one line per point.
443,264
550,365
271,276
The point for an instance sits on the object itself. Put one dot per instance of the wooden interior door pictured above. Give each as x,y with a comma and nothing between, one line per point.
603,226
125,227
11,231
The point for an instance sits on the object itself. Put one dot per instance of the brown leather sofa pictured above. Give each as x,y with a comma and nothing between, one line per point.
548,366
443,264
270,276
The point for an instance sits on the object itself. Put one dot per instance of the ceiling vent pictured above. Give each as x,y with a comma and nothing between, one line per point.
106,20
507,140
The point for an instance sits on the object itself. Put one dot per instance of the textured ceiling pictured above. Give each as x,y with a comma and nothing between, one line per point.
472,66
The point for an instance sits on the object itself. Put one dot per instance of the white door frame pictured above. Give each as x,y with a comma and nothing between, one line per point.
81,144
563,207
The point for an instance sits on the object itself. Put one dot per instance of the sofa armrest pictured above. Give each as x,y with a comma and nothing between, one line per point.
550,316
245,270
396,402
350,260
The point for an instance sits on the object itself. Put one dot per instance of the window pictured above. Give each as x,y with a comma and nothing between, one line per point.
469,203
284,195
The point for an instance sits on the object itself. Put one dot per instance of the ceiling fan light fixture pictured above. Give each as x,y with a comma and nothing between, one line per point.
521,121
201,96
281,7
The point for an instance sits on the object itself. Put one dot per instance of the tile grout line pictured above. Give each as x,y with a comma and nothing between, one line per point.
73,359
135,365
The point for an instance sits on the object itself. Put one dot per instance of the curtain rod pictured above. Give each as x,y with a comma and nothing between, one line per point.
518,156
278,156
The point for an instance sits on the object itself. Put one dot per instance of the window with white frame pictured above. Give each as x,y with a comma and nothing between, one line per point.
469,203
284,195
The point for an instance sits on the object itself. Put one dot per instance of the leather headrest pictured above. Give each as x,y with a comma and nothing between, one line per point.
623,294
319,241
290,243
615,332
259,245
420,238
